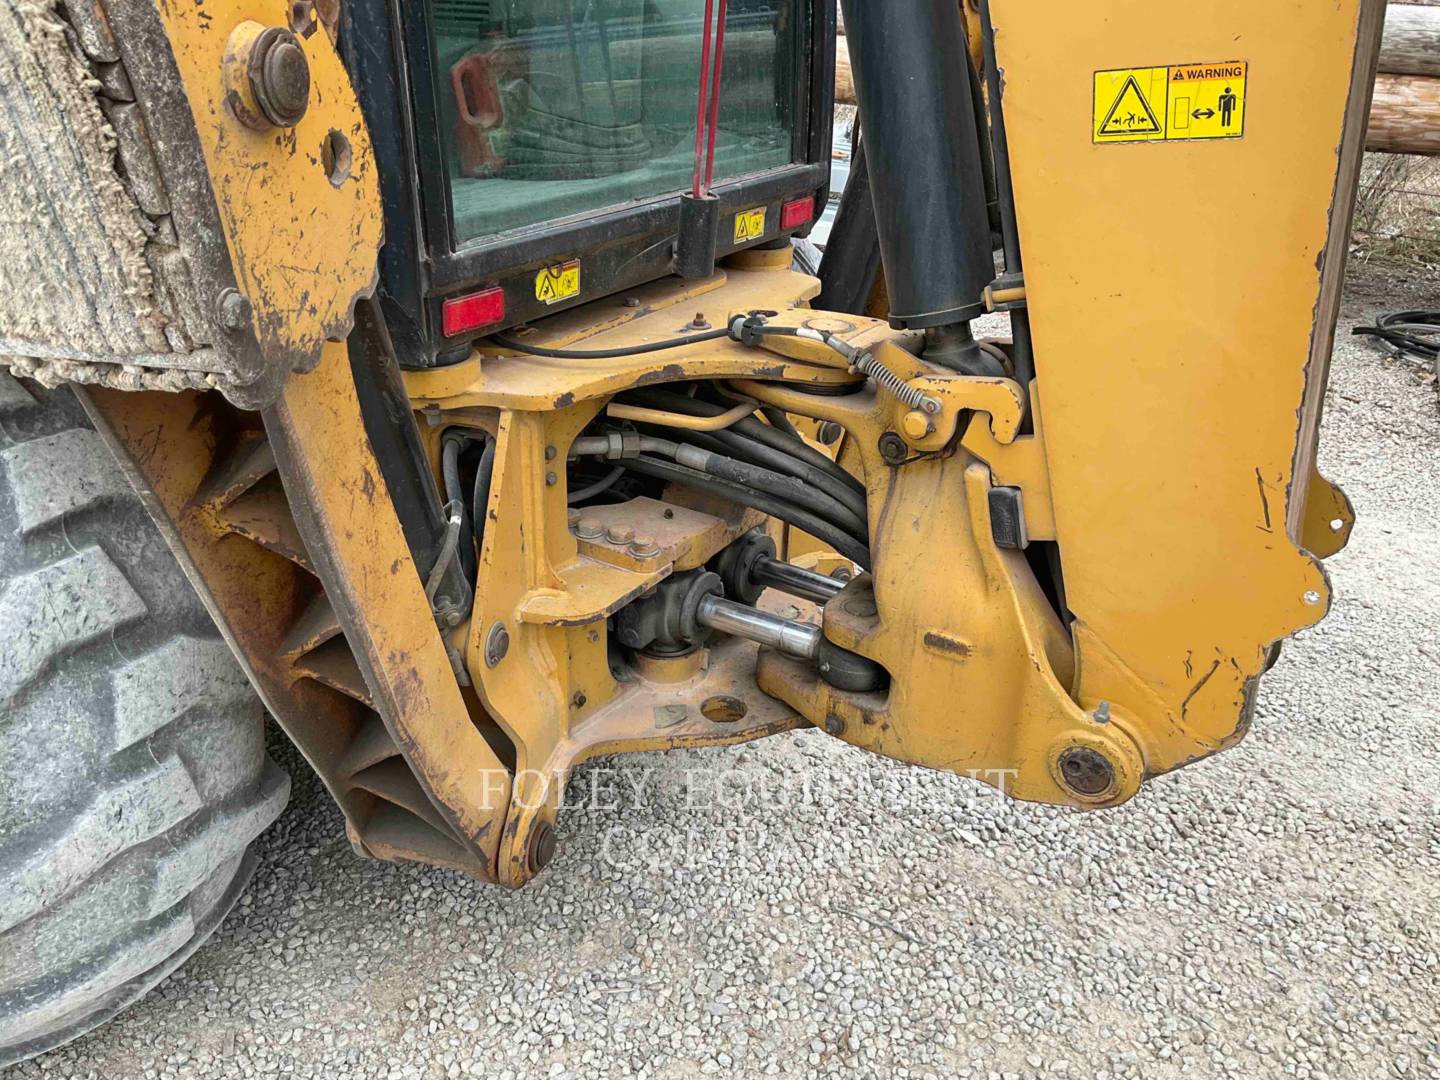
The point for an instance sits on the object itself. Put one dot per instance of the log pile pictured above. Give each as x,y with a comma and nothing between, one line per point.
1405,115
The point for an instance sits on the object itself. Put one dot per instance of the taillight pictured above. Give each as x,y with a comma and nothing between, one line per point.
462,313
797,212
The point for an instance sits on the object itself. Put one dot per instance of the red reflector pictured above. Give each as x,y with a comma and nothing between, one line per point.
797,212
462,313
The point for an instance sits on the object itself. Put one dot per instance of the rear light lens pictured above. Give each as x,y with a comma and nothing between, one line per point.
462,313
797,212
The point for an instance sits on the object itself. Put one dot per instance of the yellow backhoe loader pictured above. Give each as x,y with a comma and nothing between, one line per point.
438,378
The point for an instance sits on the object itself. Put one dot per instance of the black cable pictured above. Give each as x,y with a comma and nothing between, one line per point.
607,354
841,541
1415,332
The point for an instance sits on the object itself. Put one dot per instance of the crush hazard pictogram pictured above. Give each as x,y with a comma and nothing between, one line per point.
1130,114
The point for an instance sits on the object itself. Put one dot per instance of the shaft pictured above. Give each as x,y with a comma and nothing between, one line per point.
795,580
789,636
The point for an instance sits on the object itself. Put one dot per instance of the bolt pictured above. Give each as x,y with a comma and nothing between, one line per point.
669,514
916,424
452,619
497,644
542,847
644,547
619,534
551,479
578,699
829,433
1086,771
893,450
632,301
280,76
588,528
929,406
232,310
432,416
834,725
549,453
699,323
1102,713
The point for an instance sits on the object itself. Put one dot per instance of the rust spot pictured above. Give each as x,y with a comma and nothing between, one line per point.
395,567
367,486
565,400
947,644
668,373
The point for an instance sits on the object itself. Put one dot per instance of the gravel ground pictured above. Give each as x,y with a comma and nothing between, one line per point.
1274,911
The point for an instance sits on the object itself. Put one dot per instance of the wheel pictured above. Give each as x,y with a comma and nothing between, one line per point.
133,773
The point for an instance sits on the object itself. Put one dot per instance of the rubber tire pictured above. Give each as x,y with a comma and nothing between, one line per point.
133,773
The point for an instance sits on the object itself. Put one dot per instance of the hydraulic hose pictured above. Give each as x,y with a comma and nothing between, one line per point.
450,476
795,492
481,494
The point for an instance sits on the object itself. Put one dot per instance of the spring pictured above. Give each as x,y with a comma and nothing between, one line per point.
889,381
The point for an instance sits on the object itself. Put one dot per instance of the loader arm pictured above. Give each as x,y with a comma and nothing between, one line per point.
611,482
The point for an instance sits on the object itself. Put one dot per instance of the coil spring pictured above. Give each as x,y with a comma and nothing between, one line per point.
887,380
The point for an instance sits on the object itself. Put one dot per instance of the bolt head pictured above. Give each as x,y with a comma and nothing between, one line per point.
619,534
644,547
587,528
834,725
232,310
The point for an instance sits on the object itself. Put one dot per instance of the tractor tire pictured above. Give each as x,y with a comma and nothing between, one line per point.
133,773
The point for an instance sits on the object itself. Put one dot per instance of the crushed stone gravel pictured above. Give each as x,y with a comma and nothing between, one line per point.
1274,911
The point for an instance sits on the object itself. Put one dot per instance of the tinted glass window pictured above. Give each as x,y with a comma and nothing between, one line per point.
550,108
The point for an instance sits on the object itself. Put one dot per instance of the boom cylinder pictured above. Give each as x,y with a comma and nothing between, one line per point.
922,146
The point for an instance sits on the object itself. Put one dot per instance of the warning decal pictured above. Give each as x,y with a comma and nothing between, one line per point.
559,282
1173,103
749,225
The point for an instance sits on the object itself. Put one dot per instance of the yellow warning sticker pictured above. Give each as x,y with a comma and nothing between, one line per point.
558,282
749,225
1172,103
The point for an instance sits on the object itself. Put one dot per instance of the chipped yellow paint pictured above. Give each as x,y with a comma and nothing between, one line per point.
300,207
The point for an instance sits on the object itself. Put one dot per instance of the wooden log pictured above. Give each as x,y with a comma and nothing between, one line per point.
1411,45
1405,115
1404,119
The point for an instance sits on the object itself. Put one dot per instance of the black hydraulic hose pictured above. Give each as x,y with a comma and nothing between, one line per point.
782,487
481,494
599,487
607,354
734,445
838,539
723,467
778,420
450,476
758,432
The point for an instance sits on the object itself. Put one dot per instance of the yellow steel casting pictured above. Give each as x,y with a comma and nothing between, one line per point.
299,204
1179,296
